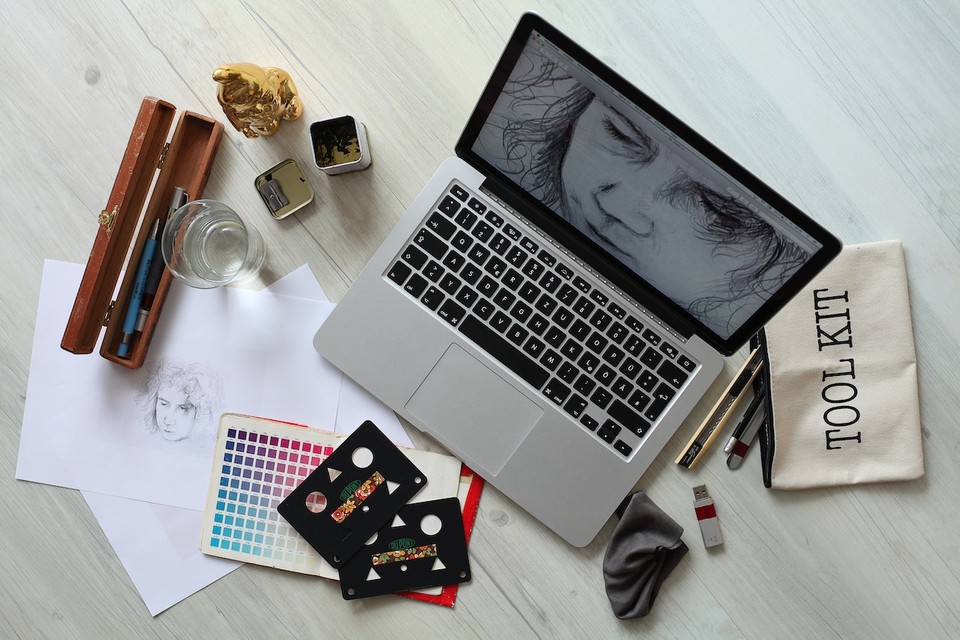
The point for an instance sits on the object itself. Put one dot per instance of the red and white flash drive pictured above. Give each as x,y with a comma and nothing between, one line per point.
707,517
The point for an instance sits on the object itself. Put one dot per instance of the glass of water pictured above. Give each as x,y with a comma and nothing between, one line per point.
205,244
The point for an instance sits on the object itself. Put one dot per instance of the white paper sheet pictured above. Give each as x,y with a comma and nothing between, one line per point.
159,545
87,421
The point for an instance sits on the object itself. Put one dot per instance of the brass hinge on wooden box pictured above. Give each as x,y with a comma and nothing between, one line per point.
106,317
163,156
108,219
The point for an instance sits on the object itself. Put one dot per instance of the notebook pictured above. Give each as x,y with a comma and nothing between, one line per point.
563,291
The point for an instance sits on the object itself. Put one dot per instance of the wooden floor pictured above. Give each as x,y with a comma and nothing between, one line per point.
849,109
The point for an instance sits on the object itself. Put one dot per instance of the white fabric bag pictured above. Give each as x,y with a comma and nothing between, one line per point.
842,377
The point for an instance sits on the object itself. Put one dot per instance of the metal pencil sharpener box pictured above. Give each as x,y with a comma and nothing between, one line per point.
340,145
284,189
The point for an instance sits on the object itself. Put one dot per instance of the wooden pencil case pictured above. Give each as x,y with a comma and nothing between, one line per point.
184,161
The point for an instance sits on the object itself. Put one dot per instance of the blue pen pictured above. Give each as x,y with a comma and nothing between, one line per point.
133,309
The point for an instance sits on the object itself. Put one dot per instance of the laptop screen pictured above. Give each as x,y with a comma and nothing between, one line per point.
635,189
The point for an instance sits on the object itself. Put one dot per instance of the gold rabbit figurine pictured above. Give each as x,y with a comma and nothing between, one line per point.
255,99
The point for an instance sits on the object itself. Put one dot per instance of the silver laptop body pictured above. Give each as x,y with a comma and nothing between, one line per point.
559,382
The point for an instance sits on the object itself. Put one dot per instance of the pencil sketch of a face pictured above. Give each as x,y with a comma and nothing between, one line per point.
180,399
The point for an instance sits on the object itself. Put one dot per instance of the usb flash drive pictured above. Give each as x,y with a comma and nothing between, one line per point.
707,517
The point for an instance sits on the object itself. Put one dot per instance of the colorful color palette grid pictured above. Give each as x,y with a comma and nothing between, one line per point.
257,462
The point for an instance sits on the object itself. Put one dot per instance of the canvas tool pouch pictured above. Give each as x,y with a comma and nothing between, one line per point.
842,406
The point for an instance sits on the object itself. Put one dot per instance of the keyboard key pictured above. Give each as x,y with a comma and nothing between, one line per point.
550,281
584,307
432,298
478,206
601,319
533,269
504,299
579,330
495,266
534,347
623,448
529,245
596,342
568,372
567,295
585,384
581,284
571,349
669,350
451,312
414,257
588,362
441,226
482,231
609,431
613,355
638,400
599,297
484,309
621,388
628,417
504,352
651,337
449,206
554,337
471,273
605,375
433,271
415,285
647,381
565,272
635,345
450,284
511,231
479,254
630,368
512,279
672,374
500,244
563,317
500,321
635,325
661,397
550,359
589,422
466,218
467,297
516,256
454,261
517,334
529,291
651,358
556,391
547,258
462,242
686,363
575,406
459,193
488,286
538,324
430,243
546,304
617,332
616,310
601,397
521,312
399,273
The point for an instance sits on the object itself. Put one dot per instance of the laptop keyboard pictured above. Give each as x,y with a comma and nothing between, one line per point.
543,318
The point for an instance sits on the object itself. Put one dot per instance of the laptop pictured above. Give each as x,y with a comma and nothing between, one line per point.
564,290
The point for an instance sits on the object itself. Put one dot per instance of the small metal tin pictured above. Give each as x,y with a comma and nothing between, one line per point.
284,189
340,145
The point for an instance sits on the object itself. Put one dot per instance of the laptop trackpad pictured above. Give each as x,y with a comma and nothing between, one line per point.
474,409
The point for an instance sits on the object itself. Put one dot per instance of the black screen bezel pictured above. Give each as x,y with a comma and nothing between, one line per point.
590,253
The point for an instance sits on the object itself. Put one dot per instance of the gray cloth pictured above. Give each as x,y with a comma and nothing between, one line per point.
643,550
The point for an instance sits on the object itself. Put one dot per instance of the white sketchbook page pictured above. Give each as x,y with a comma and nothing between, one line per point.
86,419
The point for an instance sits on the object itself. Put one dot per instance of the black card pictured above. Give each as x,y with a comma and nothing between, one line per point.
354,492
424,546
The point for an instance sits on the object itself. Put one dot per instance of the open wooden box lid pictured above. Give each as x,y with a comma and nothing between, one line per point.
185,161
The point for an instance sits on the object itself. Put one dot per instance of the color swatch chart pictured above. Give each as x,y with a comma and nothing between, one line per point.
257,462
